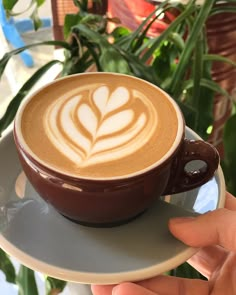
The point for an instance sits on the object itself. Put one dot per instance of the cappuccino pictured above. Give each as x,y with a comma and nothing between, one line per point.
99,126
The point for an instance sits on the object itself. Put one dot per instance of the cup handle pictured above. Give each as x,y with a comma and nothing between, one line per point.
182,180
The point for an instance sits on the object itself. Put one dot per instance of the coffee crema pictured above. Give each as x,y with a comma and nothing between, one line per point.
99,125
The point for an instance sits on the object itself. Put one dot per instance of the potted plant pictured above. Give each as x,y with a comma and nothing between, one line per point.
177,60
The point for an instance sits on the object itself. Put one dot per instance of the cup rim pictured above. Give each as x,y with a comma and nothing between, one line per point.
20,142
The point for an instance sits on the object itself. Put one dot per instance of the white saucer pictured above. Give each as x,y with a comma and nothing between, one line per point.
40,238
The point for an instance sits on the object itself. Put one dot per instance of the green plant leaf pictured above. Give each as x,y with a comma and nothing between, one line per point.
229,153
155,43
112,61
26,281
189,113
9,4
177,40
40,2
139,69
10,12
224,9
187,271
206,100
200,97
7,267
54,286
163,61
35,18
119,32
208,84
75,65
219,58
92,36
193,35
13,106
70,21
197,71
81,4
204,108
142,31
7,56
134,35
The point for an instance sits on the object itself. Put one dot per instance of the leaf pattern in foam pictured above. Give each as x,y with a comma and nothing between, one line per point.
88,119
121,141
55,132
115,123
114,134
119,97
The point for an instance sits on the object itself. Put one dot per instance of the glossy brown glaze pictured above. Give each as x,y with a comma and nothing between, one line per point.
113,202
182,180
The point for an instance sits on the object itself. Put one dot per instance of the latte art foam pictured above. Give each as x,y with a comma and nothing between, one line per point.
101,125
98,126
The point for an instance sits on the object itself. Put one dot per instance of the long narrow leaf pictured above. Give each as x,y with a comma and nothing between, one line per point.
225,2
176,30
215,57
189,113
170,29
141,70
94,55
226,9
215,87
162,8
205,100
190,44
132,37
83,30
7,56
110,59
208,84
13,106
197,71
7,267
148,22
26,281
177,40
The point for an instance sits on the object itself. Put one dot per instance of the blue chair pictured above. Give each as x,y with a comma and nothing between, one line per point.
12,29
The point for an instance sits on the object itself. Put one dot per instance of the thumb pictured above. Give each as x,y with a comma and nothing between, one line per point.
214,228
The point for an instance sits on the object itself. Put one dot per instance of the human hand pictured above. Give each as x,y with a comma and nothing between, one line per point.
215,234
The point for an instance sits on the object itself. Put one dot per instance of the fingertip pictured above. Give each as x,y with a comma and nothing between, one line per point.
102,289
182,229
216,227
176,224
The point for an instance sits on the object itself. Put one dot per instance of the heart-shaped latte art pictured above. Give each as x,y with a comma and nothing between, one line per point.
100,125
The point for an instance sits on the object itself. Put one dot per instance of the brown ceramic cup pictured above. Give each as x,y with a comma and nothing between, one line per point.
114,193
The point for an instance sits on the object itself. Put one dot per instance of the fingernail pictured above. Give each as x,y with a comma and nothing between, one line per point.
179,220
115,290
